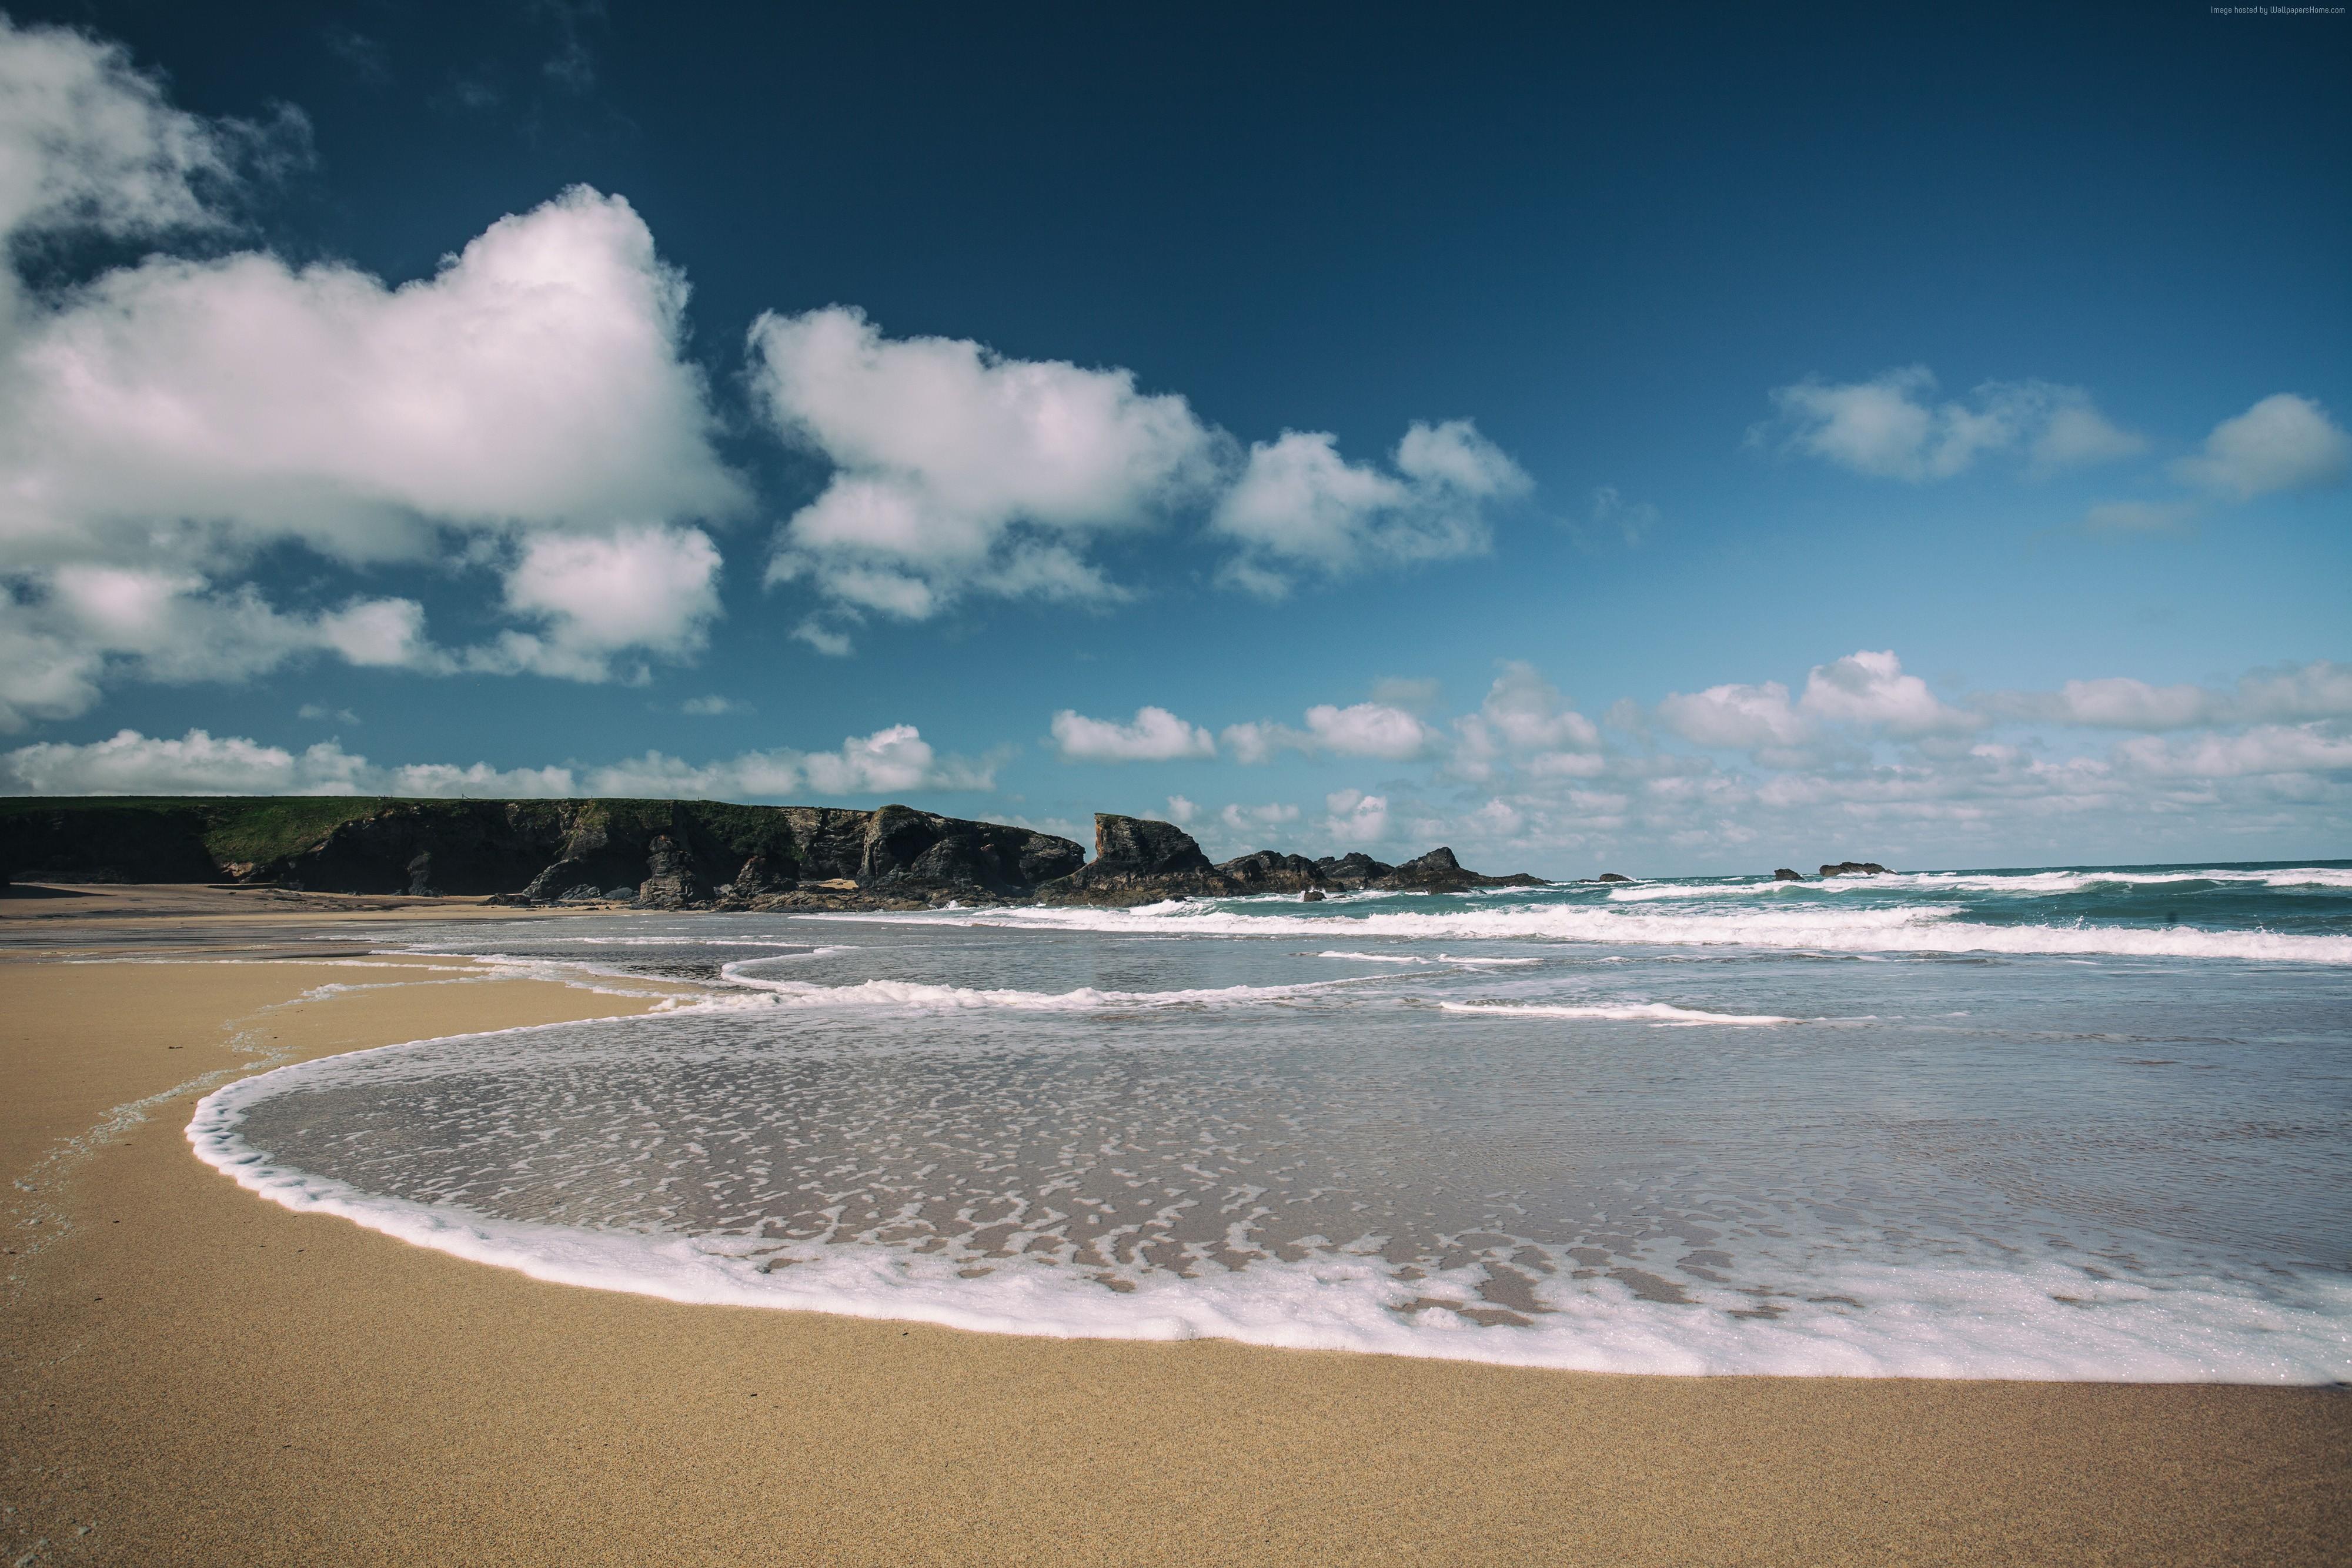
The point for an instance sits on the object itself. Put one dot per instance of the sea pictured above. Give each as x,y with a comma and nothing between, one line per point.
2069,1123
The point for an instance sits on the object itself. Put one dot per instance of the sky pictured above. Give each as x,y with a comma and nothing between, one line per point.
1683,442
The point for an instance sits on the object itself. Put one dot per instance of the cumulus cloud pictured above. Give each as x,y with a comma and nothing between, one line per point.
1353,817
654,589
2290,695
1154,735
1524,715
1735,717
958,470
1299,505
889,761
1891,426
1245,820
1866,690
2282,443
2267,749
163,424
89,141
1360,729
1368,729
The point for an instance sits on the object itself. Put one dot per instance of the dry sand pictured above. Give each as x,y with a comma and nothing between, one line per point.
194,1375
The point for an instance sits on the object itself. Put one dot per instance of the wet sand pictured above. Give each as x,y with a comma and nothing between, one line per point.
189,1374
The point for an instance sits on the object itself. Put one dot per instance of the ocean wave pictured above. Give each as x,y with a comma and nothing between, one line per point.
1663,1013
1915,929
918,996
2044,1321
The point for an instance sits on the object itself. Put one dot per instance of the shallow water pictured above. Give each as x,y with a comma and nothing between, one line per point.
2049,1123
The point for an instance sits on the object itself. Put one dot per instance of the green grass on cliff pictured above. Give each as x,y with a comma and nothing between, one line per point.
234,828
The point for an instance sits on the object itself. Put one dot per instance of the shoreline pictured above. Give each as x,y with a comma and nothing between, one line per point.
206,1377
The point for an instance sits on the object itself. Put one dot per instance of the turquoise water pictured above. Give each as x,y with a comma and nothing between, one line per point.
2070,1122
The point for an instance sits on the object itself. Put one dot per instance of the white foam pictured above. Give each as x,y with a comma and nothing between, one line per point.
1627,1012
2042,1320
1375,957
917,995
1917,928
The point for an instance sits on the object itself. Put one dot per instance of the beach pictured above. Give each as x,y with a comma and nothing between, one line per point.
196,1375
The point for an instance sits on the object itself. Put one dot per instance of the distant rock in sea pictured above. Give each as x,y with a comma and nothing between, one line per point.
1611,876
1854,868
1783,873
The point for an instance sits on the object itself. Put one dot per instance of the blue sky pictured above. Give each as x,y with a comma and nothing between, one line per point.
1702,442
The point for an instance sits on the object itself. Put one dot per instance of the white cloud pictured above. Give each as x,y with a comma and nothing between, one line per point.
1523,714
1154,735
958,470
2282,443
654,589
1239,819
713,706
889,761
2267,749
832,644
1360,729
1255,743
168,422
1735,717
215,407
128,763
1299,505
2322,690
1181,810
1355,818
1889,427
1866,689
87,141
1368,729
1870,688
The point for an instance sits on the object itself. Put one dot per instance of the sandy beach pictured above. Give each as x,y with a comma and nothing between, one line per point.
194,1375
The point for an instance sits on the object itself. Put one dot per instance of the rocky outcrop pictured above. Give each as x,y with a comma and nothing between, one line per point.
671,854
1611,876
663,855
671,880
1271,871
1854,868
1782,874
1142,861
1354,869
1138,861
1439,872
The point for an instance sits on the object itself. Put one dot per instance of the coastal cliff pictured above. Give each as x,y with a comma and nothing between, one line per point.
656,854
659,855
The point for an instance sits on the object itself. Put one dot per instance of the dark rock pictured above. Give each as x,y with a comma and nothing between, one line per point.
1611,876
1783,873
1312,895
1439,872
1138,861
1854,868
420,876
1354,869
1271,871
671,880
620,895
586,893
